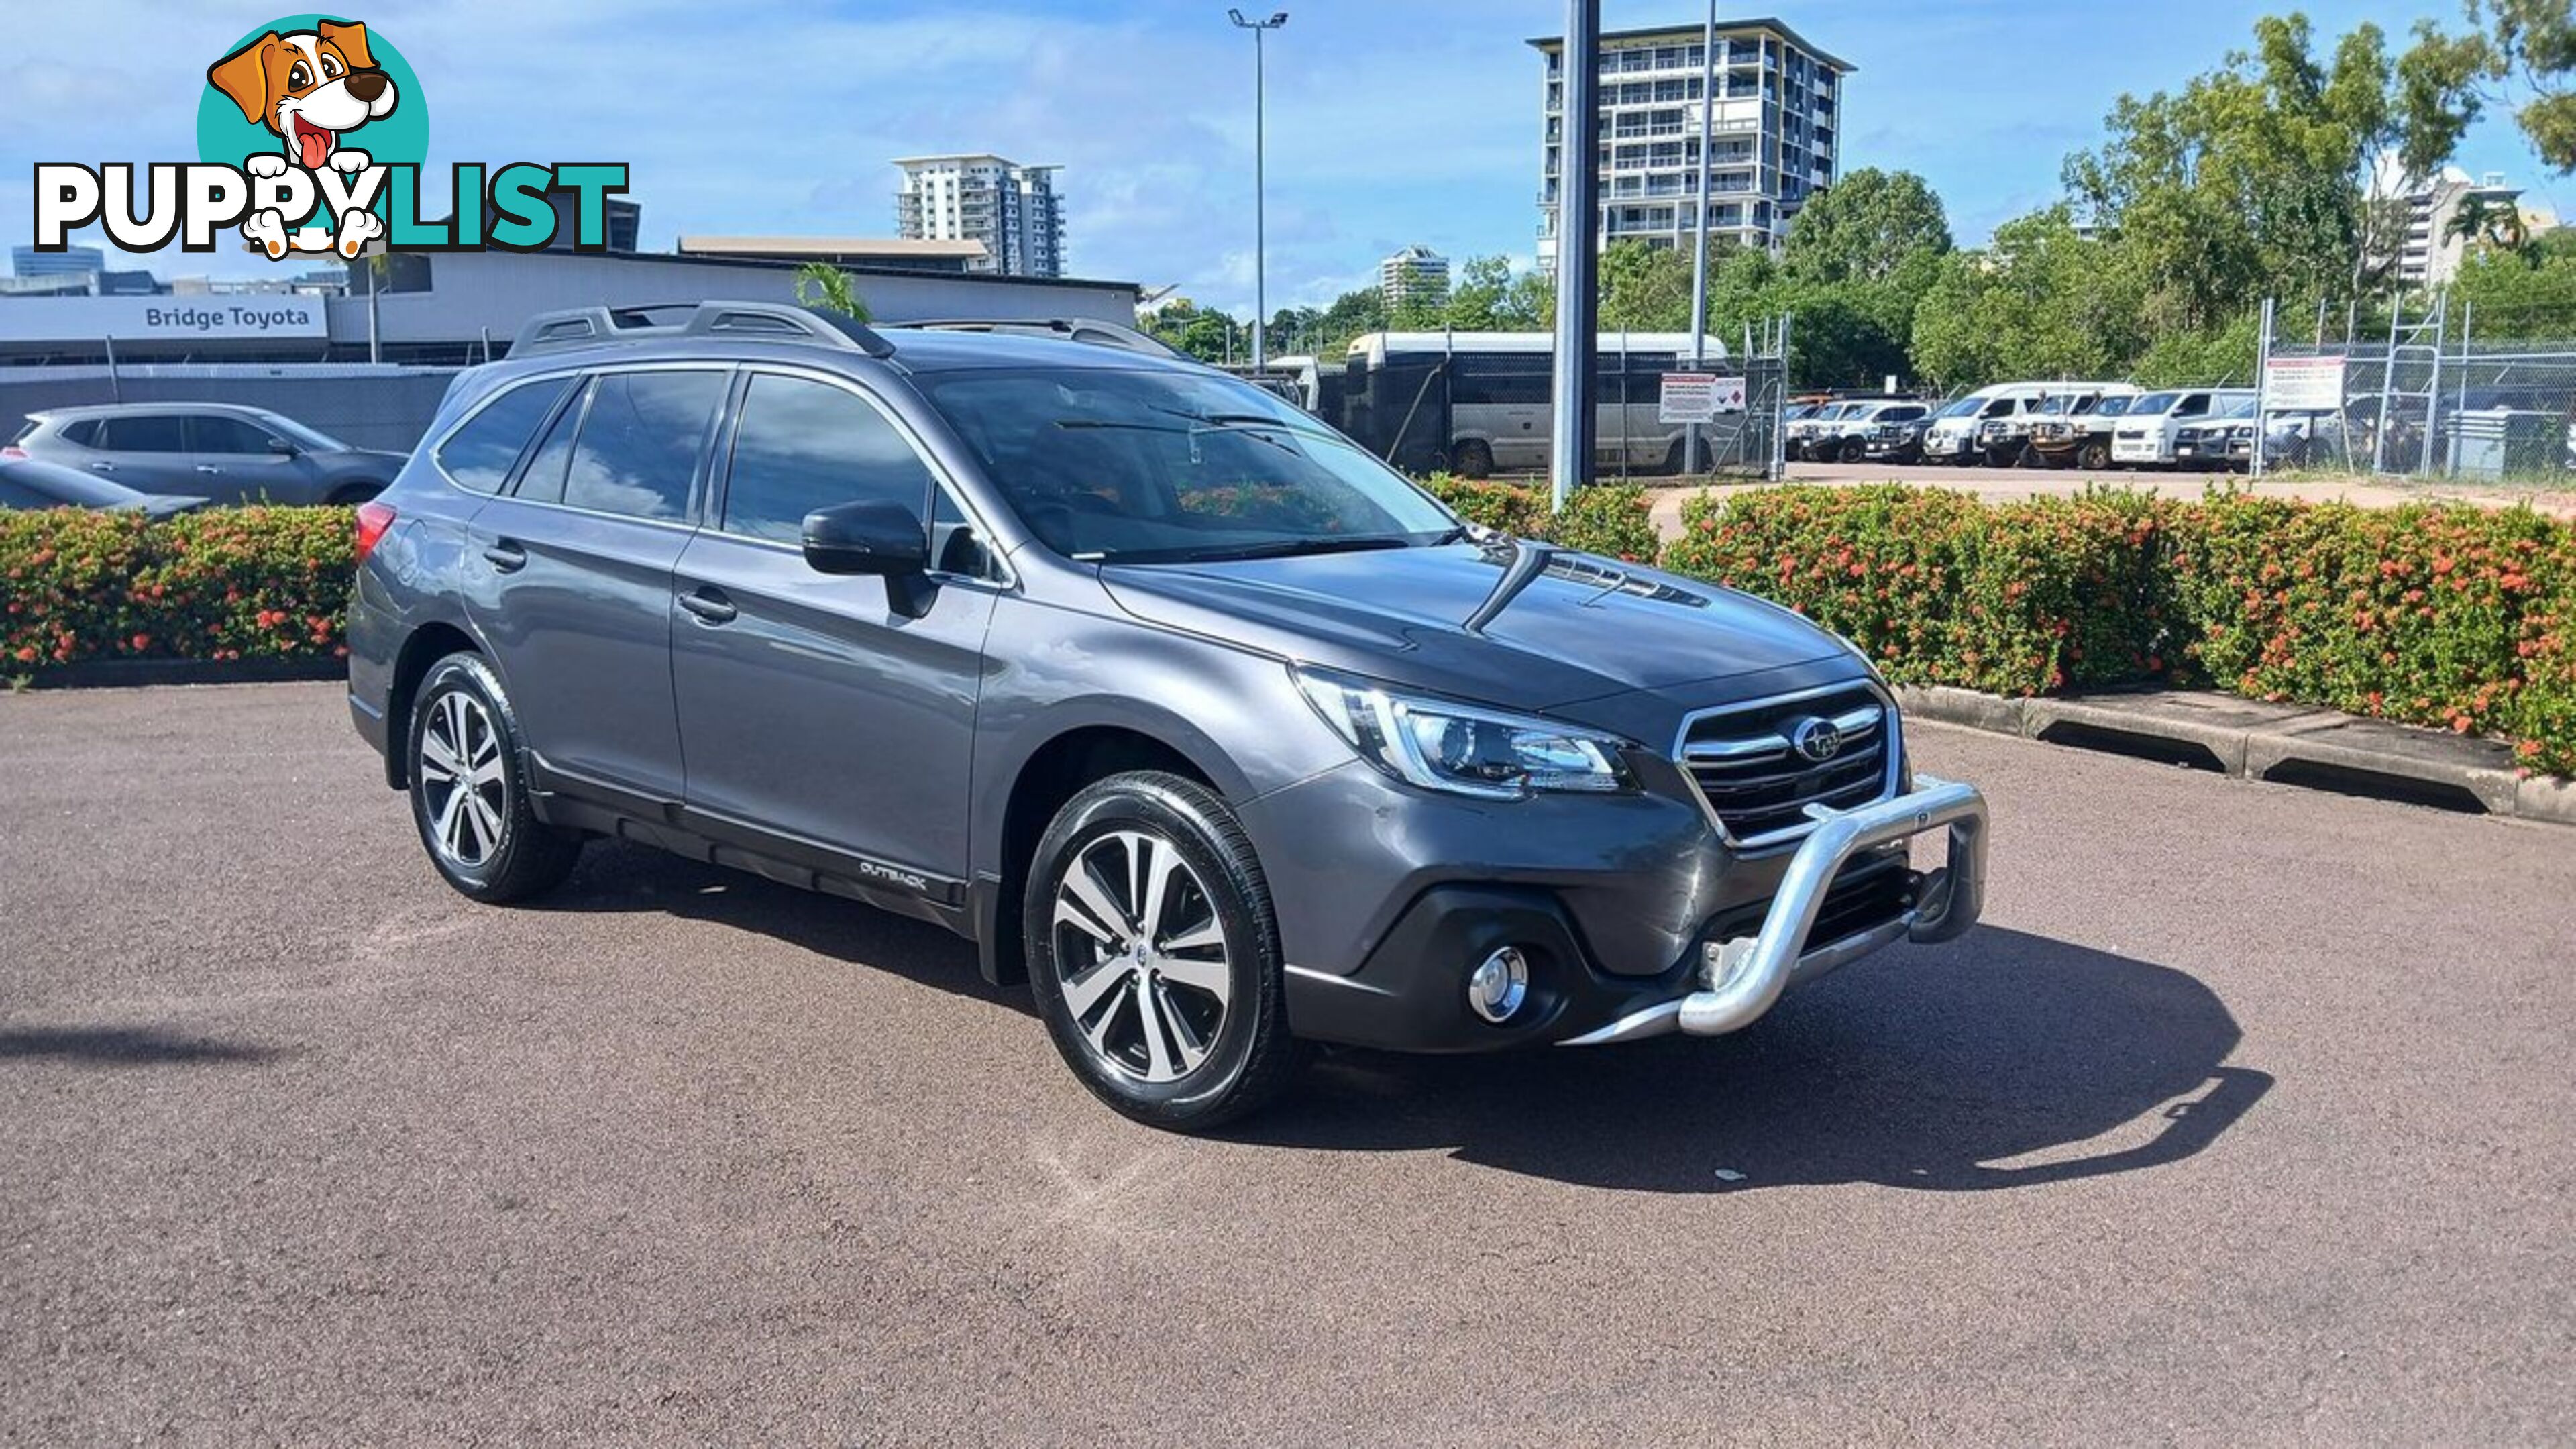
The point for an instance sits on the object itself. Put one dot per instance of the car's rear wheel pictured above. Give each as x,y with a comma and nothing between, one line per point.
1472,459
1154,954
2094,456
469,788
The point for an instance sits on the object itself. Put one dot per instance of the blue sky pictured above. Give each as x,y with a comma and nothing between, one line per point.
1391,121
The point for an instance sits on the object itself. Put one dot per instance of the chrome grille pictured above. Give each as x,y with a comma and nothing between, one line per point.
1756,781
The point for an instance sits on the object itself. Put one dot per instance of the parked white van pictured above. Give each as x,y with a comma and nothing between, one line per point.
2145,436
1953,435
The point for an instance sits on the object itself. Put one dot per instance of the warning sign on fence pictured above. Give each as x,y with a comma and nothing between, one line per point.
2303,384
1698,397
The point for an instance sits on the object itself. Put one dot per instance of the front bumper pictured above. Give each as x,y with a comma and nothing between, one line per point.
1741,977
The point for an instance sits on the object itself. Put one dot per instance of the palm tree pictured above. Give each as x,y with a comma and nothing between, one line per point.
827,288
2484,223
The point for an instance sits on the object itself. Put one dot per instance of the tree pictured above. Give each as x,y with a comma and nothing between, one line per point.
2517,53
2041,302
2249,179
1865,227
1644,288
827,288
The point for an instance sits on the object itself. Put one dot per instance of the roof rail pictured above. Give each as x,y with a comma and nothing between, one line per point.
573,327
1072,329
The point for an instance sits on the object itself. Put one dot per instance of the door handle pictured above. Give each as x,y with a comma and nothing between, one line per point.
102,467
208,468
506,556
710,605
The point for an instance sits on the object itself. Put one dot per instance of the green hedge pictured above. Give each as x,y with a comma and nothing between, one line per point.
2440,615
225,584
1613,520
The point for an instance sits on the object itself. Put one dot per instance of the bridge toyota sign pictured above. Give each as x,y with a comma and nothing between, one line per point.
162,319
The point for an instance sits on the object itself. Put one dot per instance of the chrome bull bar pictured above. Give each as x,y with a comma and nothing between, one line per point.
1743,977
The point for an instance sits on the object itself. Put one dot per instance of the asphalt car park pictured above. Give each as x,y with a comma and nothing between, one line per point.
2244,1116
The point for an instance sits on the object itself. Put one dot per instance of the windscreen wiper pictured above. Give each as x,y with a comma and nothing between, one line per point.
1292,547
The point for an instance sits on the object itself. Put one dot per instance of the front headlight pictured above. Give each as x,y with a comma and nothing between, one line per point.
1461,749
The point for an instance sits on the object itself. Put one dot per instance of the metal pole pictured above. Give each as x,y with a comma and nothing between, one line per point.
2433,388
1578,242
2321,320
1260,196
1780,404
115,390
1699,225
2468,318
1260,229
2262,376
2387,380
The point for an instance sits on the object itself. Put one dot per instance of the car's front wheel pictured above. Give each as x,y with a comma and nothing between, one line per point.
469,788
1154,954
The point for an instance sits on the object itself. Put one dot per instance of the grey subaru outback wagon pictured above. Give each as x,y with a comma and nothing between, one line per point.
1187,711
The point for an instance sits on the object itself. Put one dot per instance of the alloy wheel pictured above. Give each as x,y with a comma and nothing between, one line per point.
1140,956
464,780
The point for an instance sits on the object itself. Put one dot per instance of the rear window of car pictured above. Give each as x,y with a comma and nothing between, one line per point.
146,433
479,455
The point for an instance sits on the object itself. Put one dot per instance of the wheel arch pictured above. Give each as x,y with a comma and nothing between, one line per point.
423,647
1056,770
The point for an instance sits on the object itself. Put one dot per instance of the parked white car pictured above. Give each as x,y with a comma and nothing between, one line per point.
2147,432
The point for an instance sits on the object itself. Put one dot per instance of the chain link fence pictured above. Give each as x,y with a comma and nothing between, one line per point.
2425,401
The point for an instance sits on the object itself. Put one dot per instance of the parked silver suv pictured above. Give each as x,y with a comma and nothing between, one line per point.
218,451
1184,708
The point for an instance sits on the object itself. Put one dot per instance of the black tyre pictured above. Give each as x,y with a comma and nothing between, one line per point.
350,495
1854,450
1154,955
1674,459
469,788
1472,459
2094,456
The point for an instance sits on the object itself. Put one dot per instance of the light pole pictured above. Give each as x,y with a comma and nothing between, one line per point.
1260,294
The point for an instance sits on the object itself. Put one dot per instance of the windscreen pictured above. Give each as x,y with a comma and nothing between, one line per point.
1161,466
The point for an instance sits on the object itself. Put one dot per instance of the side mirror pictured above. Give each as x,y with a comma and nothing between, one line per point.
874,537
283,447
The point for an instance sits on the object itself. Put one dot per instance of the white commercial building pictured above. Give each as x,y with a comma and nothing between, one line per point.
1415,274
1011,209
1775,137
2425,243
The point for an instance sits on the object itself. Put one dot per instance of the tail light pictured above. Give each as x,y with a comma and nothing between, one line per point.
13,451
373,520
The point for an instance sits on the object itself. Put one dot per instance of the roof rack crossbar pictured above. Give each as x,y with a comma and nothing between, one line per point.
572,327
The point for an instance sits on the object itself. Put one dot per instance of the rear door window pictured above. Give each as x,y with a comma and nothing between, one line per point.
82,434
146,433
479,455
642,434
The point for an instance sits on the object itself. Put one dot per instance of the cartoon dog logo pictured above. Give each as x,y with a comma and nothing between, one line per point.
310,87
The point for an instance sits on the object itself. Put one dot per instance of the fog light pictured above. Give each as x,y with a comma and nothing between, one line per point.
1499,984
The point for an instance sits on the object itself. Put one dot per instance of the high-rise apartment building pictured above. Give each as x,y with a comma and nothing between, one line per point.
1013,210
1775,136
1415,274
26,261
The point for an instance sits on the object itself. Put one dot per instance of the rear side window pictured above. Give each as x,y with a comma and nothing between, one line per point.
804,445
215,433
478,455
80,434
640,440
147,433
542,481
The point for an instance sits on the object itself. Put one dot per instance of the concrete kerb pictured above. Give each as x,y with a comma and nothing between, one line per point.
2288,744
